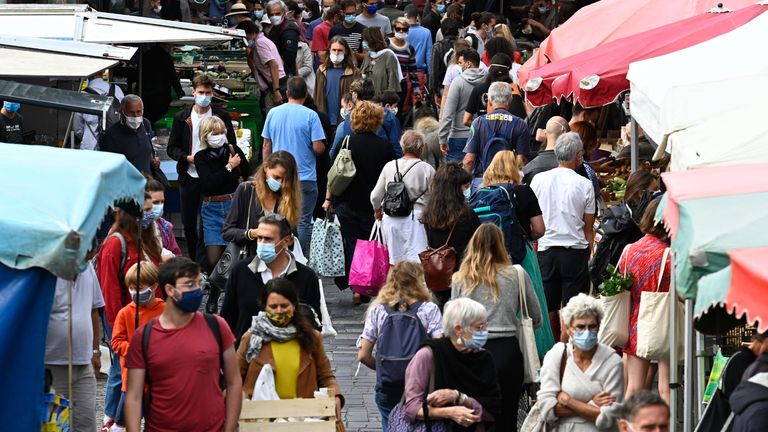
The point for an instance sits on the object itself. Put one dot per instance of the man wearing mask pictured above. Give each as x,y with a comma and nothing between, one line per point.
273,259
183,143
11,124
350,29
432,17
185,352
453,132
88,126
266,66
132,136
371,18
284,33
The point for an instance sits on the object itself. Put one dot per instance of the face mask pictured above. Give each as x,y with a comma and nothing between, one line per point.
305,15
273,184
467,193
158,8
258,15
441,9
336,59
217,141
251,43
325,10
349,19
157,211
479,338
584,340
300,5
365,46
266,252
147,219
393,110
276,20
543,10
202,100
401,35
133,122
11,107
343,112
372,9
143,296
280,319
190,301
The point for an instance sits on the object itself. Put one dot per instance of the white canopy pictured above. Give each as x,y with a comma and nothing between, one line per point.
81,23
694,87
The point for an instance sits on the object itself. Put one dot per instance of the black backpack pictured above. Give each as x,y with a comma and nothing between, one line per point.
396,200
113,112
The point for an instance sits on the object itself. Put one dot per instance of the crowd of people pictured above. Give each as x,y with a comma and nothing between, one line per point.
424,99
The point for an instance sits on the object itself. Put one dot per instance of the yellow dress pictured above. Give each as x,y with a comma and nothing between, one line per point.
287,357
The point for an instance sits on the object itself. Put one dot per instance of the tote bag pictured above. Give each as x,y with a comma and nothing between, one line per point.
525,334
342,171
536,420
370,264
653,315
326,251
614,330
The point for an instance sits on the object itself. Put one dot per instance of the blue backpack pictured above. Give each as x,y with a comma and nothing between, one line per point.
496,143
494,204
400,336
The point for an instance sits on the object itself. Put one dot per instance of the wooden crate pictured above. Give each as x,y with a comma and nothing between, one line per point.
258,416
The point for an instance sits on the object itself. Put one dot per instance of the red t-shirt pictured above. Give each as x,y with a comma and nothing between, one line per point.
320,37
184,370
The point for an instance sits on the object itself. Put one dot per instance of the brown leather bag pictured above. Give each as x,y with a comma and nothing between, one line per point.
439,265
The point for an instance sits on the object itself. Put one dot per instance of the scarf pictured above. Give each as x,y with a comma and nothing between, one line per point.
263,331
377,54
472,373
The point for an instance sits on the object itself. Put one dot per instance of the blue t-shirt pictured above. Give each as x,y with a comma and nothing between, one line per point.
508,126
293,127
332,89
421,39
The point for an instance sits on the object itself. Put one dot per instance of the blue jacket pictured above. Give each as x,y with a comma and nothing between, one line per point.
390,131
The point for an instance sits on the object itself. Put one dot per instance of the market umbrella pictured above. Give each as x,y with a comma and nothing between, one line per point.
597,76
609,20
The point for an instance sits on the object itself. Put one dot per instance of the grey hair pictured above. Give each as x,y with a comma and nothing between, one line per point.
638,401
499,93
582,306
567,146
276,2
412,142
462,311
130,99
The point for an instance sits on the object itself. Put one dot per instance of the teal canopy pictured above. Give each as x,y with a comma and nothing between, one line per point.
53,201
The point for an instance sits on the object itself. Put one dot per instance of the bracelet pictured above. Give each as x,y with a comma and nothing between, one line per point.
248,235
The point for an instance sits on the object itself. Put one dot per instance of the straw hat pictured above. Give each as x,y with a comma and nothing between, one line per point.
237,9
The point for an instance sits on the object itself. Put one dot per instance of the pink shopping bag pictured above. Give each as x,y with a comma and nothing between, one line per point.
370,264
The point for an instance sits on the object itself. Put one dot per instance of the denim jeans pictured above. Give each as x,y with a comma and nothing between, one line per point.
308,200
456,149
385,402
114,379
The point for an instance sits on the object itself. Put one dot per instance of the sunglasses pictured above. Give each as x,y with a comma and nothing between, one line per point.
401,29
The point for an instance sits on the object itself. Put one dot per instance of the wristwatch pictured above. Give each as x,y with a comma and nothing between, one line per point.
96,352
228,167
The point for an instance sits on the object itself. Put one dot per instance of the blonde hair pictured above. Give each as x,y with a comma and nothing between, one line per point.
207,127
401,21
405,281
289,205
503,169
484,258
148,275
366,117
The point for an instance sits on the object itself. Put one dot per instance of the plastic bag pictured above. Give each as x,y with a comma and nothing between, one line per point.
328,330
265,385
370,264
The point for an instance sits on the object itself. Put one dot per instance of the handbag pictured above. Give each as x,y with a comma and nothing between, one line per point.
342,171
398,423
526,335
653,315
325,316
536,420
232,255
326,251
370,264
614,330
439,265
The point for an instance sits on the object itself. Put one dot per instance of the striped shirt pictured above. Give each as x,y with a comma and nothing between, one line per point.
406,56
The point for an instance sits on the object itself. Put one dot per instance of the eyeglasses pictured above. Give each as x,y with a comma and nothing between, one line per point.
400,29
582,327
190,285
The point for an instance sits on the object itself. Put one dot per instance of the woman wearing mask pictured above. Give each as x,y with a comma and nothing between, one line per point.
310,13
163,228
286,340
274,188
504,170
588,396
334,78
403,291
405,236
488,277
406,56
380,63
447,217
220,166
370,153
454,374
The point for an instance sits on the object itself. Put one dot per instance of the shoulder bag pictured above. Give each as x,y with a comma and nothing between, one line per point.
536,421
653,315
232,254
525,334
614,330
439,265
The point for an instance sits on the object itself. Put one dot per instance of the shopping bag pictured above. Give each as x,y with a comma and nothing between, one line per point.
370,264
525,334
653,327
328,330
265,385
326,251
298,254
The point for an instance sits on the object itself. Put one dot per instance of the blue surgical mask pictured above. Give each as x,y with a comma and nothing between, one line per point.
190,300
349,19
372,9
251,43
147,219
11,107
143,296
584,340
157,210
266,252
203,100
467,193
365,46
441,9
273,184
258,15
543,10
479,338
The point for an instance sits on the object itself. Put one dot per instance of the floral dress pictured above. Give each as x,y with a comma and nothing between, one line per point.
642,259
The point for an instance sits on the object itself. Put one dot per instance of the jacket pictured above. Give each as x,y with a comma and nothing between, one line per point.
383,72
304,66
350,74
286,37
315,369
180,141
750,405
452,123
439,64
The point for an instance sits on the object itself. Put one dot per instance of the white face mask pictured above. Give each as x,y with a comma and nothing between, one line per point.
336,59
216,141
305,15
158,8
401,35
133,122
276,20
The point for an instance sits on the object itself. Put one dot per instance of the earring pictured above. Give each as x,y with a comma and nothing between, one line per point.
460,341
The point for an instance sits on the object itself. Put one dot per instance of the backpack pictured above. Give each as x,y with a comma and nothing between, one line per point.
124,296
396,201
496,143
493,204
113,112
400,336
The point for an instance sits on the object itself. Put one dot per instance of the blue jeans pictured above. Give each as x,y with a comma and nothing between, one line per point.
308,201
114,379
386,402
456,149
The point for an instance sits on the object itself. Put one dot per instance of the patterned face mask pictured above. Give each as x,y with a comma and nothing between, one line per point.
280,319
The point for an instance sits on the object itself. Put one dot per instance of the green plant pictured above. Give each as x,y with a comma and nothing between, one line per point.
616,282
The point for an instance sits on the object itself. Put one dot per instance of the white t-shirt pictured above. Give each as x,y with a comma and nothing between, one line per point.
86,296
196,120
564,197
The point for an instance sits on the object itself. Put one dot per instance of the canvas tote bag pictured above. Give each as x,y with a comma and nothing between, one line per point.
653,327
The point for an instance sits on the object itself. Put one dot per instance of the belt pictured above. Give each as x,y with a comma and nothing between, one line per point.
218,198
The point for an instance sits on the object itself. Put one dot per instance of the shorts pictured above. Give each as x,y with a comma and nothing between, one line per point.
213,215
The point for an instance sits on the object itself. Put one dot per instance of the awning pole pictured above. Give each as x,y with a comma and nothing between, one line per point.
689,368
701,384
69,124
633,146
141,73
673,361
